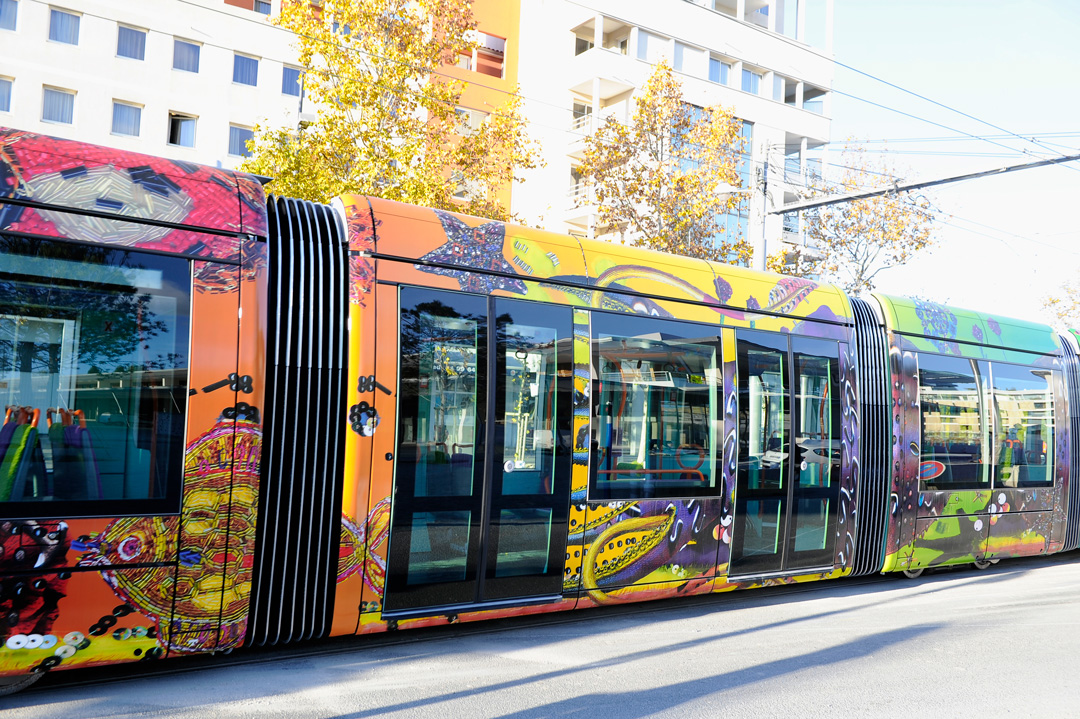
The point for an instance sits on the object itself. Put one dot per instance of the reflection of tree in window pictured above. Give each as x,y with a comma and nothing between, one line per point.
1024,419
94,340
439,350
954,429
657,406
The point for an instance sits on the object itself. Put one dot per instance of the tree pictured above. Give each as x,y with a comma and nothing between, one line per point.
1064,306
854,241
386,122
664,180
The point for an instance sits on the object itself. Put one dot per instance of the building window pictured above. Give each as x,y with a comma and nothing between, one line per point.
751,81
245,70
464,61
9,13
290,81
469,120
687,59
185,56
58,106
126,119
719,71
582,115
650,47
63,27
490,55
238,140
181,130
261,6
5,94
131,43
582,44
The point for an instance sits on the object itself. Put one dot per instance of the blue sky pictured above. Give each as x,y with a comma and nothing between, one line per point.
1009,239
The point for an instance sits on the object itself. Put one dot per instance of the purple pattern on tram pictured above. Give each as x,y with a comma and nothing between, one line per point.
480,248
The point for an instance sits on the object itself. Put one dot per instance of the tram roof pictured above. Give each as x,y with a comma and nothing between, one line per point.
946,329
74,189
532,254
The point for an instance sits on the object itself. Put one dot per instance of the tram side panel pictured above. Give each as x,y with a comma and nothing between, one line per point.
980,471
120,389
649,541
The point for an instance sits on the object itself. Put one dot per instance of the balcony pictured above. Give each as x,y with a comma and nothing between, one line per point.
609,66
580,206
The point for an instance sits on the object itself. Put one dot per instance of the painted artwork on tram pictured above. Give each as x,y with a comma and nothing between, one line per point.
126,417
983,456
633,544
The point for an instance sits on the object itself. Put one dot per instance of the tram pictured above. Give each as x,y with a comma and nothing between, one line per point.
233,420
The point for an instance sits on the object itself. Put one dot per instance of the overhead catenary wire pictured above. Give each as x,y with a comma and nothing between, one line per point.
743,156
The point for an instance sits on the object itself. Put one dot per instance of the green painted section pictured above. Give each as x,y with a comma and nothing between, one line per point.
943,329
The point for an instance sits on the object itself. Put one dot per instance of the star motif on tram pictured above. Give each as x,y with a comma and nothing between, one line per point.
479,248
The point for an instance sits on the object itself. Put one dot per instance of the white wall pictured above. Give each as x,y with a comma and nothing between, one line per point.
98,76
549,71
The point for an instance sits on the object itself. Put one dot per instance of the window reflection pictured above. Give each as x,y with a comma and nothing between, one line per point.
93,372
954,429
1024,420
442,347
529,434
764,430
657,388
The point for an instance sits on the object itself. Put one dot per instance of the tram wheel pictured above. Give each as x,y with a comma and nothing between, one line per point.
914,573
984,563
10,685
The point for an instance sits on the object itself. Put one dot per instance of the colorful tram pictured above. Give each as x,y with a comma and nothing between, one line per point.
233,421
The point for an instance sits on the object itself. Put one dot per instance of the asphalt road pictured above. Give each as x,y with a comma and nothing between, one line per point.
1001,642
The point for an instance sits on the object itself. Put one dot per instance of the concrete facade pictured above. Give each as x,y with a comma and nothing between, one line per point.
98,76
592,56
574,62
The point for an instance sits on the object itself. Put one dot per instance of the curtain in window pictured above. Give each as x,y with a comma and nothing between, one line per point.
63,27
59,106
290,81
650,47
5,95
238,138
245,70
9,12
262,7
131,43
185,56
126,119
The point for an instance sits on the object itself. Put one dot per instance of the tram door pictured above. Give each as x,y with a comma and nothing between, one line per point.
788,478
484,451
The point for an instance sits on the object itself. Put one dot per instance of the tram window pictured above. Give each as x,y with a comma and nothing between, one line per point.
955,434
441,350
657,386
763,399
93,377
1024,424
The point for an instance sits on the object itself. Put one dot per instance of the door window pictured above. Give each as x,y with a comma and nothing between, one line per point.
789,453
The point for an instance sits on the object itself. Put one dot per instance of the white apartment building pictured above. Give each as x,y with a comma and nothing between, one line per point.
771,60
184,79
